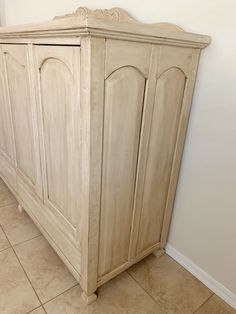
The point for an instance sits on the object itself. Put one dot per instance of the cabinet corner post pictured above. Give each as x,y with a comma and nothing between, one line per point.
92,102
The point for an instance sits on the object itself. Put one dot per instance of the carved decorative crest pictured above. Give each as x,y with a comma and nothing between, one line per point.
115,14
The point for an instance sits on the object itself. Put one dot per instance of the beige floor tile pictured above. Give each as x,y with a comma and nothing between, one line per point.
174,288
119,296
48,275
215,306
17,226
2,184
4,244
16,293
6,197
39,310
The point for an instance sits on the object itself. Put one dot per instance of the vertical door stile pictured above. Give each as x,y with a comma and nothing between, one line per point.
93,51
39,109
35,122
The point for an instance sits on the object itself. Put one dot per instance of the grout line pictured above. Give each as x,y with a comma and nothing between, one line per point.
17,244
142,287
12,247
204,303
5,249
6,238
34,309
27,277
77,284
24,271
44,308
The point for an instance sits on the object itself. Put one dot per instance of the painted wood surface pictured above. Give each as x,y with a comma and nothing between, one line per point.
18,85
166,114
127,66
122,123
24,125
58,85
6,139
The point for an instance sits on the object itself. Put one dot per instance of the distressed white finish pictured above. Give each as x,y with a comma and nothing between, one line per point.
94,110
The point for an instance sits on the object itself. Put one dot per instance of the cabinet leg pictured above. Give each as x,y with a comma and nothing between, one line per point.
89,298
20,208
158,252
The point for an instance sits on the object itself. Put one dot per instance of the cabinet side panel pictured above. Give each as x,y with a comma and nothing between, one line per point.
124,94
166,115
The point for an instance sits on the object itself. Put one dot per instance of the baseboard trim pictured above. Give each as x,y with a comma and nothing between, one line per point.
220,290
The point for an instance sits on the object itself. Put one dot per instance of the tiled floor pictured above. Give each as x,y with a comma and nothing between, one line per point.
34,280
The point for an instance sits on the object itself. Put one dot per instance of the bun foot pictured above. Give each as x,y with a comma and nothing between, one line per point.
89,298
20,208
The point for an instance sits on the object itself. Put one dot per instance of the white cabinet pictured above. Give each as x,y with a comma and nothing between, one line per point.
94,109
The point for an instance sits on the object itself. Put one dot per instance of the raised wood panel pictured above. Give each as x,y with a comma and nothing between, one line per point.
58,70
6,143
18,84
166,115
124,95
191,71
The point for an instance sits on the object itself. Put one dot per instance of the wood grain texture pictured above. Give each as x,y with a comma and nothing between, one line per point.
126,70
18,83
92,100
6,134
181,135
122,123
59,99
20,97
143,147
165,120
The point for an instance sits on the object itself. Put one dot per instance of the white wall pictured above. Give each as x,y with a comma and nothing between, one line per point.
204,221
2,12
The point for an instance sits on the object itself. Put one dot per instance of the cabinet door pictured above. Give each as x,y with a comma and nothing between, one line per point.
58,71
174,86
127,67
6,145
23,115
6,130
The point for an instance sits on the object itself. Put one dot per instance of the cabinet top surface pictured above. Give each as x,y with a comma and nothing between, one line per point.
113,23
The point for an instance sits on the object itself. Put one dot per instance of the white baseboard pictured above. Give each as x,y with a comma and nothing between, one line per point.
220,290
